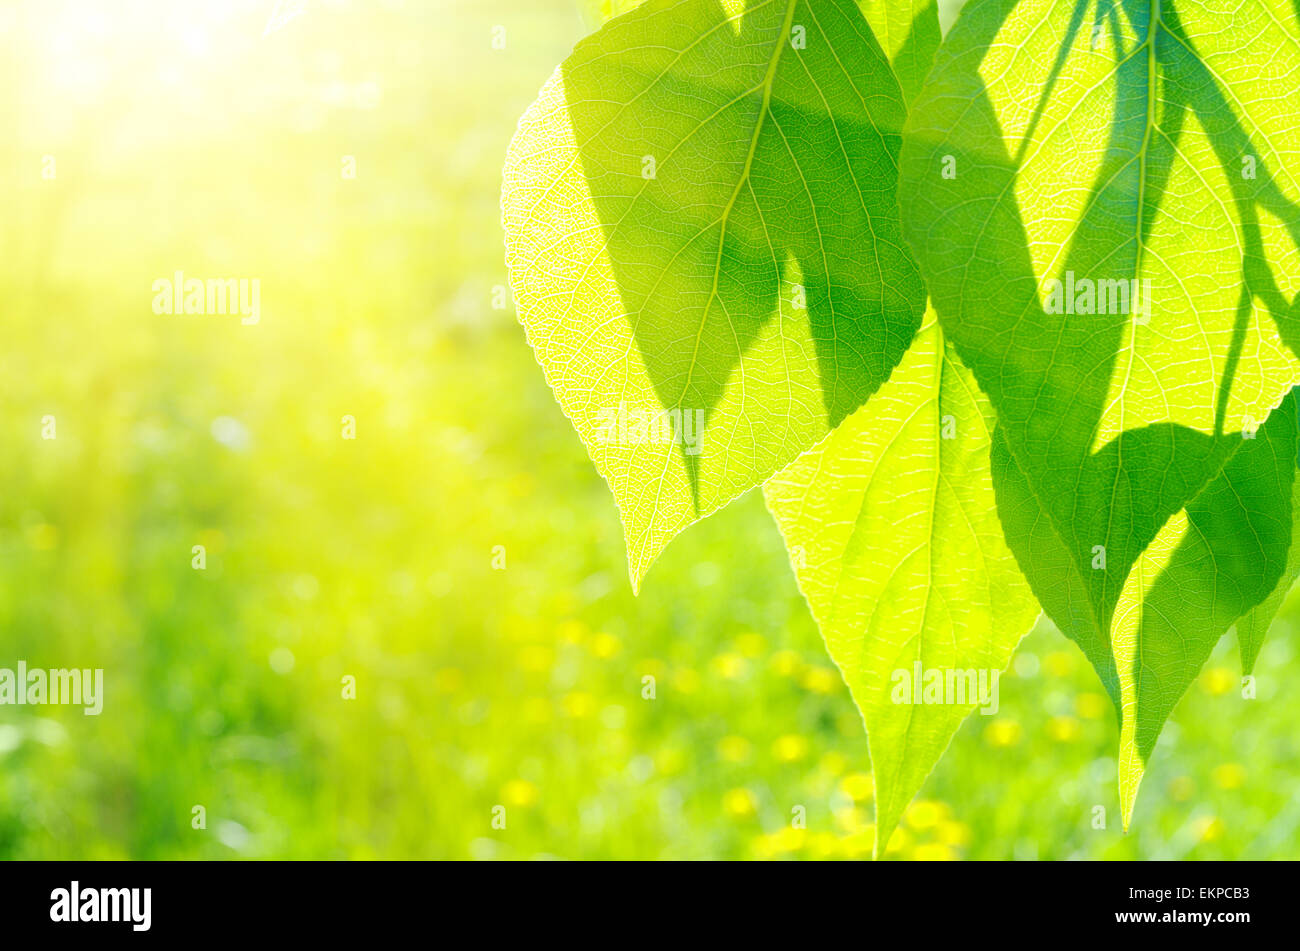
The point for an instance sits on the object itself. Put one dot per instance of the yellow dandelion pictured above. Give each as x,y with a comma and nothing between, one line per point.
859,787
822,845
1091,706
1059,663
739,803
789,839
579,705
573,632
1002,732
1217,681
953,833
790,748
730,666
1229,776
820,680
925,813
859,844
519,792
605,646
751,645
900,843
787,663
1209,828
1064,729
734,749
851,818
1181,788
763,846
933,852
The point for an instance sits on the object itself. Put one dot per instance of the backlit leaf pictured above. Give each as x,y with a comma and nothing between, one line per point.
893,532
1098,145
702,237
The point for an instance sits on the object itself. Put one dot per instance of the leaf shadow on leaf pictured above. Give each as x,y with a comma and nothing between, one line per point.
775,184
1051,381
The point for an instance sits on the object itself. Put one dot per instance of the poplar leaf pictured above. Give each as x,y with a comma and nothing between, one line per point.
1102,200
895,540
1254,624
703,241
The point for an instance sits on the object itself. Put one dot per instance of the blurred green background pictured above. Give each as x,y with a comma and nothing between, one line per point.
185,135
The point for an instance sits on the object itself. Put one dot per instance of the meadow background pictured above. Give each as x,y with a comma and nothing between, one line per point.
184,136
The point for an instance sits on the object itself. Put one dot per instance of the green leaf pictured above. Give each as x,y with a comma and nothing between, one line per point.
1116,142
893,532
908,31
1254,624
703,240
1206,566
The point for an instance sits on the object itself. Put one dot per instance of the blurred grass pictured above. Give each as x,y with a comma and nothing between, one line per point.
185,139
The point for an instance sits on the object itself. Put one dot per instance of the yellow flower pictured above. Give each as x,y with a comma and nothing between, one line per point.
822,845
859,787
536,658
899,843
448,680
789,839
1091,706
1002,732
790,748
933,852
579,705
953,833
821,679
861,843
519,792
851,819
734,749
686,681
1059,663
730,666
605,646
739,803
1229,776
572,632
751,645
1209,828
1217,681
787,663
925,813
1064,729
764,846
1181,788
